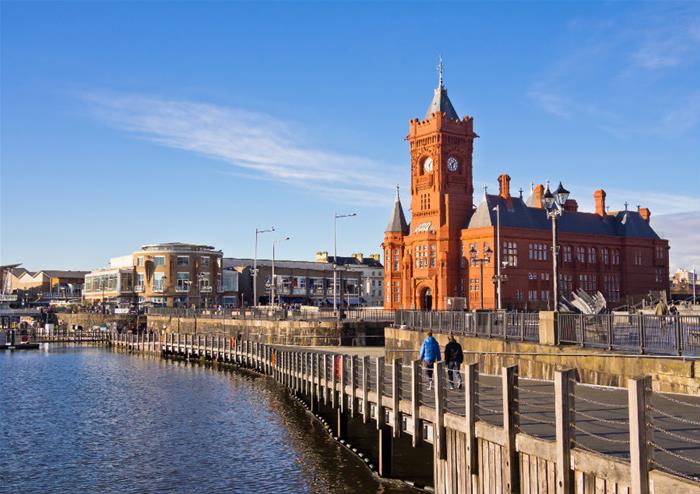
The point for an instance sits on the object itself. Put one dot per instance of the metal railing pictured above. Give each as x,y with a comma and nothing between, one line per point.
637,333
518,326
277,313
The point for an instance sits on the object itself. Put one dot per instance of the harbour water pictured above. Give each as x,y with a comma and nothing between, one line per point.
78,419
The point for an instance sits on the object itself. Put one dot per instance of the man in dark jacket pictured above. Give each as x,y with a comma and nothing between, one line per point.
454,358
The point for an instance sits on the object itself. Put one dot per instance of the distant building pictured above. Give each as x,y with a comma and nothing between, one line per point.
170,274
43,286
297,282
371,269
428,261
682,283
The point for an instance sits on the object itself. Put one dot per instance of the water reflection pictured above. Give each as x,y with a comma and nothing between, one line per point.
90,420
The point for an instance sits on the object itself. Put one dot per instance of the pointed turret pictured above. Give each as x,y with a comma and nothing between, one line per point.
441,103
397,221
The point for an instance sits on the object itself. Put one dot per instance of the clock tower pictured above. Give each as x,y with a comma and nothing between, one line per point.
441,146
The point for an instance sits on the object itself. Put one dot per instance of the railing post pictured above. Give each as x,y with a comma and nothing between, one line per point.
365,389
353,385
341,370
609,319
642,335
641,451
471,397
415,401
564,419
325,378
379,372
511,474
679,334
439,433
334,380
395,395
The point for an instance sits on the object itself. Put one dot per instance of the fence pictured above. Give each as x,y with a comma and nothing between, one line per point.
638,333
518,326
495,434
277,314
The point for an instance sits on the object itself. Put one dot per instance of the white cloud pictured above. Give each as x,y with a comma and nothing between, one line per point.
683,233
253,142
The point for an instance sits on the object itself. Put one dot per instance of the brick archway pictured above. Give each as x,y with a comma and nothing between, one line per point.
425,297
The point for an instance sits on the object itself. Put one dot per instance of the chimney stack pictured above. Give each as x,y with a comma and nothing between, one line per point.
571,205
645,214
599,196
359,256
504,186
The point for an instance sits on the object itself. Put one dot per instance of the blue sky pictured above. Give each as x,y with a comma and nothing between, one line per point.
132,123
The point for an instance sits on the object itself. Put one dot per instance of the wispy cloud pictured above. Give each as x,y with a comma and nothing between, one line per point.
256,144
621,72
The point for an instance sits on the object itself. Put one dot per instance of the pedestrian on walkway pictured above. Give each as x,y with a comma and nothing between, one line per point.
429,354
454,358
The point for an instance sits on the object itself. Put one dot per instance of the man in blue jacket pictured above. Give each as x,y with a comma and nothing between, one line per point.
429,354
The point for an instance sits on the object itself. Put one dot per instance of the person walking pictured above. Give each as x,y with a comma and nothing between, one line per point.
454,358
429,354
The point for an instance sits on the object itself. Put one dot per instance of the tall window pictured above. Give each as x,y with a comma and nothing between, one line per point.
537,252
591,255
660,252
611,285
567,253
396,259
183,281
158,282
510,254
433,255
566,283
604,255
659,275
637,257
139,261
581,254
615,257
397,291
159,260
139,281
204,261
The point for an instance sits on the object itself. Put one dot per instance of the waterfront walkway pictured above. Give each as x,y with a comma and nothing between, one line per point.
499,432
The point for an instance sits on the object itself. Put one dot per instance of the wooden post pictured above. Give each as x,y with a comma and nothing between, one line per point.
353,385
395,395
319,388
509,376
365,388
564,419
379,373
385,452
342,396
439,433
415,400
314,374
324,363
334,379
641,452
471,398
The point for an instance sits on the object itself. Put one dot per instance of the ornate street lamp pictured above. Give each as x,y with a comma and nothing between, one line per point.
480,261
554,207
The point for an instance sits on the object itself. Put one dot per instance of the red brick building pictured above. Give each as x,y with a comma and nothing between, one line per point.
427,262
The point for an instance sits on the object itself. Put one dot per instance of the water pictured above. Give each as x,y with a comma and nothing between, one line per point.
91,420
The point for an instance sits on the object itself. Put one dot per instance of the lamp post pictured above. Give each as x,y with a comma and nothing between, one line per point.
499,249
336,216
272,281
255,264
475,259
554,206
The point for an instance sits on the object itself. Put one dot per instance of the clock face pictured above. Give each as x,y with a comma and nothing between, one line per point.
428,165
452,164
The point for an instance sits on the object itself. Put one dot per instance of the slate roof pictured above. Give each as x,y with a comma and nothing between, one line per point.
366,261
397,221
516,213
441,103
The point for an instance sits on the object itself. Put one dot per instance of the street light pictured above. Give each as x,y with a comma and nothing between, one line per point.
336,216
554,207
475,259
255,264
272,281
499,278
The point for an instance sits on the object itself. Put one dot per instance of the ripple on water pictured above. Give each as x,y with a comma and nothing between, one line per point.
90,420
